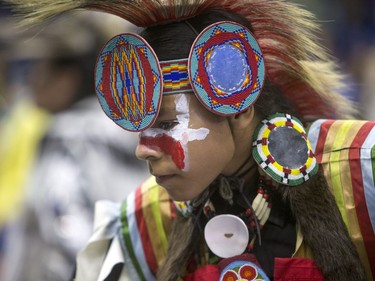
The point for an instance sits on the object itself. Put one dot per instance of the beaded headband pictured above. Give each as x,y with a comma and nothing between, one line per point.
225,70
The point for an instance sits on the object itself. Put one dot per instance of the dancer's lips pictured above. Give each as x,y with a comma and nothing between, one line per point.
163,178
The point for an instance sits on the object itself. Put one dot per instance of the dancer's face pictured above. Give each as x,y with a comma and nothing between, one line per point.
187,147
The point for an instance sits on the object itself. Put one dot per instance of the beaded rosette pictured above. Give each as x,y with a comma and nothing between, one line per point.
283,151
242,270
128,82
226,68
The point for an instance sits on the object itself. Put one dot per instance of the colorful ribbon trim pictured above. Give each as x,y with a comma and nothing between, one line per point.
346,151
146,219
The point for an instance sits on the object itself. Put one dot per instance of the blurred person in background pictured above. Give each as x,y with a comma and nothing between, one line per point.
19,136
59,153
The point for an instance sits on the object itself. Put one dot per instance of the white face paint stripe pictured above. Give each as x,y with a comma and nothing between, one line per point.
181,132
182,106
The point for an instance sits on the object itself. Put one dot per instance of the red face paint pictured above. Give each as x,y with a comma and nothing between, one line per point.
168,145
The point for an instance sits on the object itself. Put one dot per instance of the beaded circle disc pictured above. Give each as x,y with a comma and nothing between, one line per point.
282,150
242,270
128,82
226,68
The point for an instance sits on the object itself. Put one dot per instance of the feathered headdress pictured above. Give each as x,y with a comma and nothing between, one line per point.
286,33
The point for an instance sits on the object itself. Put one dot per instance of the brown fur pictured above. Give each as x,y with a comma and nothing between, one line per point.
323,229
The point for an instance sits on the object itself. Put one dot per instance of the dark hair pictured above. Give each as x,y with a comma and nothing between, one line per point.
174,40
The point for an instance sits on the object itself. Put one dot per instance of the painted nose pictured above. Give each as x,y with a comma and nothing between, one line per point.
147,149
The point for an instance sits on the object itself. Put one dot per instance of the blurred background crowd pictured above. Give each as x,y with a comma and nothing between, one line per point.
59,153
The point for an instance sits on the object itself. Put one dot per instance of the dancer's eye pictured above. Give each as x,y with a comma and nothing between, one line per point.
167,125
